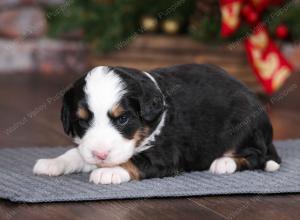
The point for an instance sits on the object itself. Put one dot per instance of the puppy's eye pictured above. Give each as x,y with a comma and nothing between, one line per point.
122,120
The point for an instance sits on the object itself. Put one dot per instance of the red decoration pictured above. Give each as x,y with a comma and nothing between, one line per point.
230,10
246,10
268,63
266,60
252,17
250,14
282,31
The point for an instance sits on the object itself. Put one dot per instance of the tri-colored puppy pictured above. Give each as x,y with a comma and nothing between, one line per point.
132,125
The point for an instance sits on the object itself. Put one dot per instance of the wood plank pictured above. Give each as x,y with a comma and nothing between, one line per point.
281,207
126,209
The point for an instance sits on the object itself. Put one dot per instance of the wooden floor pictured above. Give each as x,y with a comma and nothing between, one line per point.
29,109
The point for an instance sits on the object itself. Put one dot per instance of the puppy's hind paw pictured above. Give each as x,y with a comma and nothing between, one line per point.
271,166
223,165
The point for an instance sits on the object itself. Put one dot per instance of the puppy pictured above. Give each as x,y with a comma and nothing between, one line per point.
133,125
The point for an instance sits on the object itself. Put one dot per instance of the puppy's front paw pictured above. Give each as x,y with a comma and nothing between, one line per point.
223,165
50,167
112,175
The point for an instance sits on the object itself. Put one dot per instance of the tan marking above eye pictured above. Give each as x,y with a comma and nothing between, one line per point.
117,110
82,113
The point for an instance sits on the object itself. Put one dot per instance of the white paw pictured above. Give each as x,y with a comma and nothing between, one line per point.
271,166
50,167
223,165
112,175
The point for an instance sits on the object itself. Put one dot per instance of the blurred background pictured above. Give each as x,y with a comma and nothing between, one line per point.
47,44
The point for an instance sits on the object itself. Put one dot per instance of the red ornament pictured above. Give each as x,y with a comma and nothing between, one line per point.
250,14
252,17
247,9
282,31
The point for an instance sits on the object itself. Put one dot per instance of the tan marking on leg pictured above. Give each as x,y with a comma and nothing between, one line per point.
132,170
241,162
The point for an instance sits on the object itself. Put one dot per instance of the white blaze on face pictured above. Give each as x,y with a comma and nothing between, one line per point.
104,89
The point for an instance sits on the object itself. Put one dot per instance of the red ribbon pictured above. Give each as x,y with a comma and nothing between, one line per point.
266,60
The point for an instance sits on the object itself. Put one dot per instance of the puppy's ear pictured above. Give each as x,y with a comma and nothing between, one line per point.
151,103
66,112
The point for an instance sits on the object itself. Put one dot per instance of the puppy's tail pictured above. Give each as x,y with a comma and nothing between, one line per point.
273,160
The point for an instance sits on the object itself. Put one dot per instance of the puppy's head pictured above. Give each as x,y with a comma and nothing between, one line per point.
109,112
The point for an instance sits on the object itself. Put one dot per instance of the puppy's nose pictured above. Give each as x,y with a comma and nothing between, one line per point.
100,155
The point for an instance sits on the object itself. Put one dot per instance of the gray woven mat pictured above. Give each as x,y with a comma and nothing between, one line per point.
18,184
